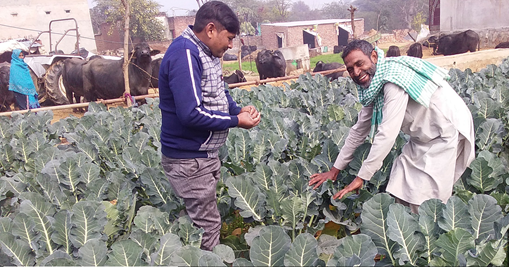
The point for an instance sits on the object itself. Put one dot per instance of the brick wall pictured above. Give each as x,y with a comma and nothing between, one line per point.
294,34
178,24
492,37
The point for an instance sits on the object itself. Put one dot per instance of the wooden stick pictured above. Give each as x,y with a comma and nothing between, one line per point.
121,99
257,82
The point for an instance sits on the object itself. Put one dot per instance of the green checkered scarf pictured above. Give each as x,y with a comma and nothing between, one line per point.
417,77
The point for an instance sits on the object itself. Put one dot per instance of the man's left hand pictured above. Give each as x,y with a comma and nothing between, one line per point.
252,111
354,185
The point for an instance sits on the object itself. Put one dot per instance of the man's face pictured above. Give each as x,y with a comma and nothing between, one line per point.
221,40
361,67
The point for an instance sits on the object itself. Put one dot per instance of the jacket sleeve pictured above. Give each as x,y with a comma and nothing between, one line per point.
185,71
234,109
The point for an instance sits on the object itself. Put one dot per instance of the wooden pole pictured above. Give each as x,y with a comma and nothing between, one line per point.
119,100
125,67
352,18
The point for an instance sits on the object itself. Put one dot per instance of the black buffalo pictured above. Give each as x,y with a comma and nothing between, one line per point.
503,45
320,66
154,80
229,57
415,50
72,77
236,77
270,64
104,78
6,96
457,43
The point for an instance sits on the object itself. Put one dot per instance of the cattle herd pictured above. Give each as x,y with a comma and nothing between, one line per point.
100,78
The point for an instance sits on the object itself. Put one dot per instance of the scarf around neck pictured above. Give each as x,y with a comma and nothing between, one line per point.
419,78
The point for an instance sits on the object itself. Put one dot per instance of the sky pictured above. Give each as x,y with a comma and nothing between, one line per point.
181,7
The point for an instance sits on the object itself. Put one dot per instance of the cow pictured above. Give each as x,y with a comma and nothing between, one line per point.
6,96
270,64
415,50
72,77
432,42
503,45
321,66
104,78
458,43
229,57
156,65
236,77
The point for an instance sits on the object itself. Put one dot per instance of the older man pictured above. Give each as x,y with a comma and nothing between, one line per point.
411,95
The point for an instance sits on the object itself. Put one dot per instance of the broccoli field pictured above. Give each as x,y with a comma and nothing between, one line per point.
91,191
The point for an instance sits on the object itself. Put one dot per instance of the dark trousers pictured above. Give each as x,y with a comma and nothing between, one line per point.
21,100
195,181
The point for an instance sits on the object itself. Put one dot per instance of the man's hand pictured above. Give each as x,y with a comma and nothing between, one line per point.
355,184
251,110
320,178
246,121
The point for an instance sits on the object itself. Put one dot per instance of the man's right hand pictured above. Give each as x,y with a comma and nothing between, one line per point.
246,121
318,179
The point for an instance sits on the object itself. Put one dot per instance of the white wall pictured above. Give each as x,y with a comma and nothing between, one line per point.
458,15
31,19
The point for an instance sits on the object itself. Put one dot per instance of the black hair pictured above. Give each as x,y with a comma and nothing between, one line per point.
393,51
361,45
415,50
218,13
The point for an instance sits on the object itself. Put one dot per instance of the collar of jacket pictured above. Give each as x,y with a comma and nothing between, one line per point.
189,34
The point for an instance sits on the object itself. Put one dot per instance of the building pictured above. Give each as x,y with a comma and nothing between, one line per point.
27,18
315,33
178,24
488,18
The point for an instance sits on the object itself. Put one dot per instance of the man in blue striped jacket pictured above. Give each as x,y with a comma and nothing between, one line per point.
197,112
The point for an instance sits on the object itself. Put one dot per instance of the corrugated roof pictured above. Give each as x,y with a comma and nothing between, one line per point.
308,22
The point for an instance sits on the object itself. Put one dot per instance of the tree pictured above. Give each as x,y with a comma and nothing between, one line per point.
301,11
143,22
335,10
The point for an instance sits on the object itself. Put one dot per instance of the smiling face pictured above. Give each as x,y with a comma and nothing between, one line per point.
220,39
361,67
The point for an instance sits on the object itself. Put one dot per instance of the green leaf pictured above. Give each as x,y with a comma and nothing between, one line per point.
149,219
169,244
270,247
488,252
88,220
186,256
292,209
210,259
248,197
430,211
156,186
146,241
225,253
125,253
40,211
302,252
93,253
481,176
360,246
25,230
17,249
454,243
58,258
484,212
455,215
487,133
241,262
374,224
188,232
403,228
61,234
